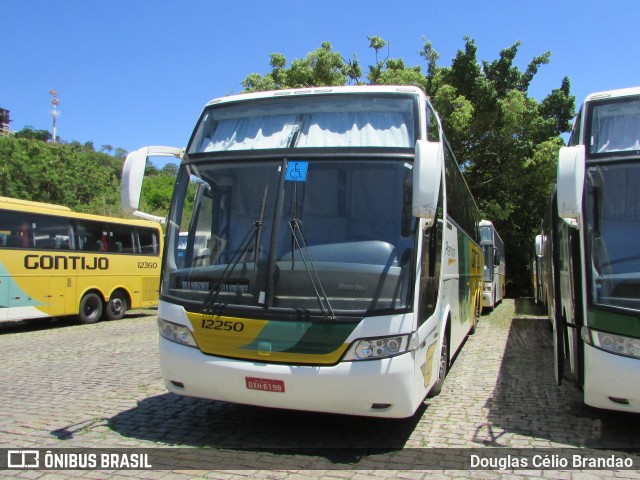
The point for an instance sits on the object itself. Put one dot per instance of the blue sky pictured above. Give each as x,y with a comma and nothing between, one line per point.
132,73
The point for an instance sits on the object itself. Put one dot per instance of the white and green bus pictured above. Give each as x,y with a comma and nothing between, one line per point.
332,260
591,254
495,267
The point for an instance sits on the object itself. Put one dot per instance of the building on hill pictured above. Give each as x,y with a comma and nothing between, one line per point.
4,121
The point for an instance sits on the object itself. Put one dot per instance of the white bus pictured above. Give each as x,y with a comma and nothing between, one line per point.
589,244
495,270
341,270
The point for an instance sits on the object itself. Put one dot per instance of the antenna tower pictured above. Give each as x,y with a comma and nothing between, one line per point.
54,113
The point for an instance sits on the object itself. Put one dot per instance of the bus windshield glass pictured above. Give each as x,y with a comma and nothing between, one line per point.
613,203
486,235
295,234
614,127
342,121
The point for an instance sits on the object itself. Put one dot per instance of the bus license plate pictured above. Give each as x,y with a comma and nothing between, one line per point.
264,384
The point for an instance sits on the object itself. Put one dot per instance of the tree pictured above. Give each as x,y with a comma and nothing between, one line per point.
120,153
57,173
320,67
74,175
170,169
106,148
29,132
505,141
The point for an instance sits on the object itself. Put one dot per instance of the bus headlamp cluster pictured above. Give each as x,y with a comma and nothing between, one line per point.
611,342
381,347
176,333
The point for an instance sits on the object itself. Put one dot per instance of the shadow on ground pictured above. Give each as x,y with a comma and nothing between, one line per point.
173,420
527,401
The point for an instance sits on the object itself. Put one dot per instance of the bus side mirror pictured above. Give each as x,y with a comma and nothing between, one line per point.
539,245
131,183
427,176
571,171
133,174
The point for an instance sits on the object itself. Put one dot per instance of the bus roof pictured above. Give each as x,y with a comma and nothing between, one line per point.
318,91
622,92
31,204
19,205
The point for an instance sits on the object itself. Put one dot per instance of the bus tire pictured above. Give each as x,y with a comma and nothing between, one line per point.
90,309
116,307
443,368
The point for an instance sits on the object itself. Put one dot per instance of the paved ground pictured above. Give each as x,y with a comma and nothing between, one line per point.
98,386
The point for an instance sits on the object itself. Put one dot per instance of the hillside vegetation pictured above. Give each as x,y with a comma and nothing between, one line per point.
76,176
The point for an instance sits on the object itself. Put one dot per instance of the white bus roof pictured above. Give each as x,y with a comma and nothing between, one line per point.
319,91
622,92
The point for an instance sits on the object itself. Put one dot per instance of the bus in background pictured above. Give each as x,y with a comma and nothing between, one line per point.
591,255
56,262
536,272
494,265
341,252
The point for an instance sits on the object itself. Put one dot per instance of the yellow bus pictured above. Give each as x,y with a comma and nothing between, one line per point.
56,262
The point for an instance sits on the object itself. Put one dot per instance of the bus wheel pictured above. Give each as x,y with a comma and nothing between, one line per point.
116,307
90,308
442,369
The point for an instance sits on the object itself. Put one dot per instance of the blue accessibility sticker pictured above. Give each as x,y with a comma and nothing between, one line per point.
296,171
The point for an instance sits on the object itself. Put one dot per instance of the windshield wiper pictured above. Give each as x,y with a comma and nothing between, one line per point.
254,234
305,254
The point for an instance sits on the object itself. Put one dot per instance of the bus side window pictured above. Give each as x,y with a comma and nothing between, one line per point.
433,132
121,238
17,228
431,265
91,236
148,241
51,232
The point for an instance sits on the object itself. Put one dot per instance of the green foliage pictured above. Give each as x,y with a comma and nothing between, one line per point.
454,107
322,67
74,175
57,173
29,132
505,141
156,194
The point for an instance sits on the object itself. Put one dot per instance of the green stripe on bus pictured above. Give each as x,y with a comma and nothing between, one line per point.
316,338
628,325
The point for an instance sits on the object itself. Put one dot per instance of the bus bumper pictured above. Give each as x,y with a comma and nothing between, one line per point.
378,388
611,381
487,296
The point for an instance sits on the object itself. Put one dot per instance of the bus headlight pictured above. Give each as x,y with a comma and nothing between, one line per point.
381,347
176,333
611,342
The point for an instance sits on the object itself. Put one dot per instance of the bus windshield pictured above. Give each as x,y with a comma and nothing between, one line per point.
614,127
307,235
321,121
613,217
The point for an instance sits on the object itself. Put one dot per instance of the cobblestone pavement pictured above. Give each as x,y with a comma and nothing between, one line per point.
65,385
